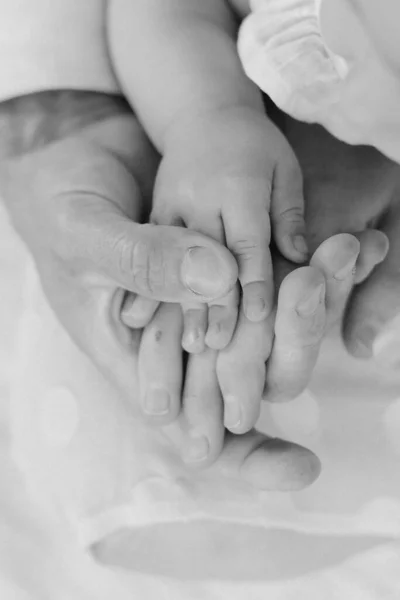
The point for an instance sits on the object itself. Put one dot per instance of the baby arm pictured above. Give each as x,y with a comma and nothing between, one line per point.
226,170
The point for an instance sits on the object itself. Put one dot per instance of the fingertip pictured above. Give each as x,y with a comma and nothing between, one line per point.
242,388
217,337
298,285
276,464
202,412
258,300
200,450
382,246
358,340
138,311
221,325
374,247
194,329
196,450
300,251
193,344
294,247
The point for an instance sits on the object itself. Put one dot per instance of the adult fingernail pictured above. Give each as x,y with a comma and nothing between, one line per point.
300,244
348,269
309,305
157,402
232,412
198,448
203,272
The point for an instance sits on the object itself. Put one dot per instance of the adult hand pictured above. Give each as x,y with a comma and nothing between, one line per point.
77,175
298,334
350,189
74,190
310,299
347,189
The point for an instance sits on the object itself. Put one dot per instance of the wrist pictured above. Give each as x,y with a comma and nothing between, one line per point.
30,122
204,125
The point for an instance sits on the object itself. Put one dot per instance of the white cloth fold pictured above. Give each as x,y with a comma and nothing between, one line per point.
321,62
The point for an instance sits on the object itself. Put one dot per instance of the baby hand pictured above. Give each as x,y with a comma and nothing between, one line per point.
231,175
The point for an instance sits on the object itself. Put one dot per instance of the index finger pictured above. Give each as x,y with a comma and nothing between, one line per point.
248,235
299,329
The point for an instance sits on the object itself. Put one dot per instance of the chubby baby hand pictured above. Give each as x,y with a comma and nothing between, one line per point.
232,176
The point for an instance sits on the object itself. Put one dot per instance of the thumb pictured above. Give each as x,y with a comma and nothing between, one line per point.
98,210
369,325
165,263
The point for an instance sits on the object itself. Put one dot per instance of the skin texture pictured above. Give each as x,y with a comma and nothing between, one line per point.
226,170
74,201
70,212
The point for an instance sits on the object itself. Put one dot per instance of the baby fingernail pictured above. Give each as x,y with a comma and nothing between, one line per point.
347,270
157,402
309,305
299,242
255,308
197,449
232,412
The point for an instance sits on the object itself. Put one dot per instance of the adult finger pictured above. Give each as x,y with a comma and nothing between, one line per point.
299,329
266,463
269,464
202,413
336,258
374,246
241,372
137,311
169,264
305,311
160,365
368,328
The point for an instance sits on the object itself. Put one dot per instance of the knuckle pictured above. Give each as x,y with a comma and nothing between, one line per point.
144,262
292,215
246,249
